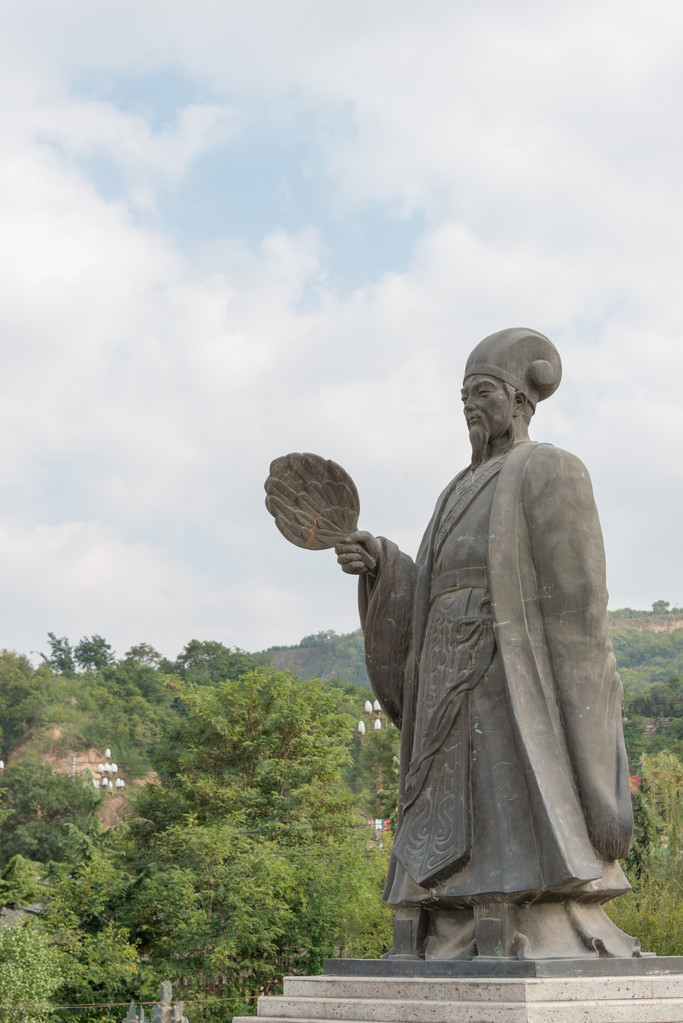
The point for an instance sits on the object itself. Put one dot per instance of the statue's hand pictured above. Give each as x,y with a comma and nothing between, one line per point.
359,553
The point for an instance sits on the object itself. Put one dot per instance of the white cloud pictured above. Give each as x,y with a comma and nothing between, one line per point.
147,386
147,160
82,578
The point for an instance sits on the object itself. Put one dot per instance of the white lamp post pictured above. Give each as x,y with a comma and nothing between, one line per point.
372,709
106,770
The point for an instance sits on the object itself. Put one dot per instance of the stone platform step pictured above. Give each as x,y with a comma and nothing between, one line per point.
477,989
650,999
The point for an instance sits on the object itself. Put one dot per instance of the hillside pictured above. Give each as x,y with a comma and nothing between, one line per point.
83,699
648,647
325,655
66,723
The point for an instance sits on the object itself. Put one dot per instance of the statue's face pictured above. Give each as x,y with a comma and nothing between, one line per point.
488,404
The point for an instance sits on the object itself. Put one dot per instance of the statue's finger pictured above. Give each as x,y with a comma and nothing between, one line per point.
360,536
367,559
347,548
355,568
348,558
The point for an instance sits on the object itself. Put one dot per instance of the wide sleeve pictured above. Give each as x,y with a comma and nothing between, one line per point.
569,562
386,601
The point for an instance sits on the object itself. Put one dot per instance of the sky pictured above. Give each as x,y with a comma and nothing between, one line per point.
231,231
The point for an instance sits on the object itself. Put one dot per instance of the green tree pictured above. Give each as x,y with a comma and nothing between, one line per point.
378,772
655,853
658,700
132,709
93,653
82,919
29,973
40,809
142,653
251,860
325,655
646,830
209,661
23,697
675,682
21,883
61,658
653,912
665,774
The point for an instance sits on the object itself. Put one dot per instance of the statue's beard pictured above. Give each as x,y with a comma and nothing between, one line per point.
479,439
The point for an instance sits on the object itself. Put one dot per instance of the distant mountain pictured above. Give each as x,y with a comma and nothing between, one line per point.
648,646
57,714
325,655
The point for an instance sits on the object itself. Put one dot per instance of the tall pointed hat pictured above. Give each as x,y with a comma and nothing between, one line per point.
521,357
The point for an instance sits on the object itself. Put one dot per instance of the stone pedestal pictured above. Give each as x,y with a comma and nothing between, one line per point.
605,991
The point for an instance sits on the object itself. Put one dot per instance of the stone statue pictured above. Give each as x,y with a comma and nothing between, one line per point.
490,652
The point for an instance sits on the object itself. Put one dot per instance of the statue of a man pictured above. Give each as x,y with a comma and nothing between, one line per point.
490,652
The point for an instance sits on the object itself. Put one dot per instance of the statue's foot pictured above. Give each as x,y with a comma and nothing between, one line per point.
566,929
393,954
599,934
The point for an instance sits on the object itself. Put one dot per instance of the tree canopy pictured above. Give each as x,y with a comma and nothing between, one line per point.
246,858
243,852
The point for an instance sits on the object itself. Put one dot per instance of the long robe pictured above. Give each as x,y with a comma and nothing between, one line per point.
490,651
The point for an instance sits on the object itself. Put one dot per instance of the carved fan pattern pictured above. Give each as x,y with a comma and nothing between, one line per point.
313,500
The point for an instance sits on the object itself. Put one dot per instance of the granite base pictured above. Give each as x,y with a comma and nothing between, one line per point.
374,993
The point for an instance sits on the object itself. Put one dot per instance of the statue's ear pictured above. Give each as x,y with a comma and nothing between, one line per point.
519,403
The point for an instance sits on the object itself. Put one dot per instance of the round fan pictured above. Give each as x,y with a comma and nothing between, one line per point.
314,501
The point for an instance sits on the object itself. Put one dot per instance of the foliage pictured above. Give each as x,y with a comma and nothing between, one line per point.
325,655
635,739
93,653
21,883
266,745
209,662
658,700
125,704
659,607
126,707
248,858
252,861
42,807
61,656
29,973
645,656
659,825
24,694
654,720
654,910
98,962
122,704
142,653
376,779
